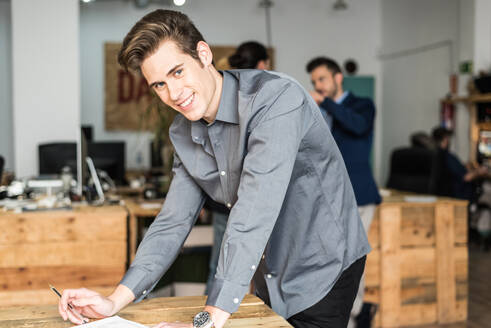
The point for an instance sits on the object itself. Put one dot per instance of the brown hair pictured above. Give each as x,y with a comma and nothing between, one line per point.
160,25
330,64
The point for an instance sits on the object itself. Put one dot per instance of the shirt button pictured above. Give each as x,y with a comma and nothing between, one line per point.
269,276
263,257
144,292
222,173
253,267
236,300
229,205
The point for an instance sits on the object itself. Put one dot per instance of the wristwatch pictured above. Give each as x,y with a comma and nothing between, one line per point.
203,320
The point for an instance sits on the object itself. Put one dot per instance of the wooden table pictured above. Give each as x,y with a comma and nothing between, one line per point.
83,247
252,313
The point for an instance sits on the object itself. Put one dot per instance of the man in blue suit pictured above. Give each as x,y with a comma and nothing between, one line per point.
351,120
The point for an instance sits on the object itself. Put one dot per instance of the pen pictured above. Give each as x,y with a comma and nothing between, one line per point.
75,312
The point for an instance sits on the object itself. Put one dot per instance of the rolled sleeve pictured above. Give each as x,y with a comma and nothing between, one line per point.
272,147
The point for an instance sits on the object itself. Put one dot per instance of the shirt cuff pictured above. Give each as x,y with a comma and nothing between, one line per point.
226,295
137,281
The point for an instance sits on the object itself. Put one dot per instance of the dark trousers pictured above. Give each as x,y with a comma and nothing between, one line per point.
334,309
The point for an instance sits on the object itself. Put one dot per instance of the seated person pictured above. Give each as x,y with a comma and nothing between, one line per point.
458,176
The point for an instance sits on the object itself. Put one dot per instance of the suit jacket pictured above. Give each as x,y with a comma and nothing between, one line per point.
352,129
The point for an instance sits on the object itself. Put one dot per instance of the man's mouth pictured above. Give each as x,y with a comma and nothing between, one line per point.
187,102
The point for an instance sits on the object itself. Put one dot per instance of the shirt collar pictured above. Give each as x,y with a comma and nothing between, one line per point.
228,107
342,98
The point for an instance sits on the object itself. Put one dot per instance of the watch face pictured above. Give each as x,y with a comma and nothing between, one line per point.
201,319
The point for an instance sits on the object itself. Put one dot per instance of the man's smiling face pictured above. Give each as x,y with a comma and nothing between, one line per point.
182,82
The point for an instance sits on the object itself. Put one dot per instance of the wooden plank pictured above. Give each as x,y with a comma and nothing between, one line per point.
39,296
423,314
445,263
390,284
133,237
418,314
62,226
95,253
418,266
417,226
461,228
31,278
372,269
417,294
372,295
373,233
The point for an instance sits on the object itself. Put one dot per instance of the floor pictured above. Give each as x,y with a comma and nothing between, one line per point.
479,291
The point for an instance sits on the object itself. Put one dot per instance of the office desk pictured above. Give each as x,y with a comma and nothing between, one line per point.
83,247
252,313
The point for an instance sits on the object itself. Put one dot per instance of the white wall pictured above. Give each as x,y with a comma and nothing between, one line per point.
419,52
46,95
300,31
6,146
482,33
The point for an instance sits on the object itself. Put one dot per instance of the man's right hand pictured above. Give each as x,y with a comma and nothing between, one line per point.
318,98
91,304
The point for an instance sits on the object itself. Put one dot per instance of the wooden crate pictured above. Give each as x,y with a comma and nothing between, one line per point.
418,268
85,247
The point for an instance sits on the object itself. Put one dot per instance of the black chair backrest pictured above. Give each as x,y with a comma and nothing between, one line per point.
414,169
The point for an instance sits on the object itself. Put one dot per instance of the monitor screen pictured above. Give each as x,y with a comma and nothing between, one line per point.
109,156
54,156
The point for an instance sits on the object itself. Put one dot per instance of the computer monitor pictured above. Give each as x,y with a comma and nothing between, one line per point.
109,156
54,156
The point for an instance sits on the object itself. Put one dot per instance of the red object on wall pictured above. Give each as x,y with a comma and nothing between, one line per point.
447,115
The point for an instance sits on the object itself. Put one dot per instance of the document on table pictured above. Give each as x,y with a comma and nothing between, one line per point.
112,322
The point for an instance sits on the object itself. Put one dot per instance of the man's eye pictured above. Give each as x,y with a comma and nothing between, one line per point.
159,85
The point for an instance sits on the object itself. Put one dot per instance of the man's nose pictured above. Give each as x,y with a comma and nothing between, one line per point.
175,90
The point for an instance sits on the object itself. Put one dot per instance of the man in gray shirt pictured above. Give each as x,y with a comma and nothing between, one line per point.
256,142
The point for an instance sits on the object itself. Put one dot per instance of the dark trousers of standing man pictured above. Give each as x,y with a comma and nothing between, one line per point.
333,311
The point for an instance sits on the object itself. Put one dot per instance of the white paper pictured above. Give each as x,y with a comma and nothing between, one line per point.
420,199
150,206
112,322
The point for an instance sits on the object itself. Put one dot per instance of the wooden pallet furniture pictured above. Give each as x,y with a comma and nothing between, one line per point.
84,247
418,268
252,313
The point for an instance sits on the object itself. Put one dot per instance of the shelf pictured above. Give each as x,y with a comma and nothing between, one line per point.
484,126
485,97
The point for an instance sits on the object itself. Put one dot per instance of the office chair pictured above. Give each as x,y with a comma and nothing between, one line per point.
415,169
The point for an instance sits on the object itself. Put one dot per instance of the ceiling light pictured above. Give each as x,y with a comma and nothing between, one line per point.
86,1
179,2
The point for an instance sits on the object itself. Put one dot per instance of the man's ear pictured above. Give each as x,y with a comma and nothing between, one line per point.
204,53
338,77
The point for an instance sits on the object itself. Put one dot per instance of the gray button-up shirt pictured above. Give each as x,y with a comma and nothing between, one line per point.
270,156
